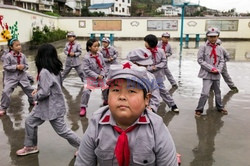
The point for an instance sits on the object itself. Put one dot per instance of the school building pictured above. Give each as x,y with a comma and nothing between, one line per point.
128,28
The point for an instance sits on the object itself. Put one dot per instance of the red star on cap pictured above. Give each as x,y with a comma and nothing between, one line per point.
127,65
212,29
145,55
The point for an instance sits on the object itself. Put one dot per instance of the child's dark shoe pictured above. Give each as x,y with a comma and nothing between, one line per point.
175,109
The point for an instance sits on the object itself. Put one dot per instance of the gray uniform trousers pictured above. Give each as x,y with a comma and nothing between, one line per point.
86,95
207,85
165,95
78,69
59,125
8,90
227,77
169,76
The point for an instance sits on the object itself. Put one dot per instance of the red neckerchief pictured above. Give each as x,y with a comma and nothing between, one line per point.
213,52
70,47
153,51
38,76
122,151
18,56
97,60
164,44
107,51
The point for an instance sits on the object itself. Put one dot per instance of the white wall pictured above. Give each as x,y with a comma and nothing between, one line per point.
26,21
132,27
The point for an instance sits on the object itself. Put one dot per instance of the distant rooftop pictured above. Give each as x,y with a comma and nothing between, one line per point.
101,6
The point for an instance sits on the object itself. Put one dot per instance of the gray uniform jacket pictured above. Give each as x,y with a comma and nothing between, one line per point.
155,94
168,49
90,67
113,53
50,100
11,73
206,62
75,60
160,64
150,142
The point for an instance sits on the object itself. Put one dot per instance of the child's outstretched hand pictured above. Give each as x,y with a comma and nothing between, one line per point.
72,54
34,92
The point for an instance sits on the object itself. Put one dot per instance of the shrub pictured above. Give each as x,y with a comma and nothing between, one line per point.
47,35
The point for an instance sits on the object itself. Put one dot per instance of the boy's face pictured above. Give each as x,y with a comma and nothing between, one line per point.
71,38
16,46
105,44
126,101
212,39
164,39
147,45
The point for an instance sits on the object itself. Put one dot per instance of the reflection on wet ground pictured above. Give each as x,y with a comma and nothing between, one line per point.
212,140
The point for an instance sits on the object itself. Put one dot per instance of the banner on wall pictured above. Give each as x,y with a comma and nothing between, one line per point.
162,25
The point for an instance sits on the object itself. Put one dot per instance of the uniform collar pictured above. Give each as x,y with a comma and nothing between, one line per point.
108,119
15,54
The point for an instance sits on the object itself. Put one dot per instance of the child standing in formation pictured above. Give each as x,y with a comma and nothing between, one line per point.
211,60
164,44
3,56
73,50
125,132
224,71
15,66
50,102
143,57
157,68
109,53
95,70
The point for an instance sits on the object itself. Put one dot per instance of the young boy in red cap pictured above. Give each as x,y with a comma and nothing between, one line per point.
211,60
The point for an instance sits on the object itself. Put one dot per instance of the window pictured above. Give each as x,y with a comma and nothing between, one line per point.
128,1
123,10
123,0
116,9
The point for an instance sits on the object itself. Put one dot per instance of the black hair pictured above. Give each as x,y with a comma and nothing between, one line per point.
47,58
90,42
151,40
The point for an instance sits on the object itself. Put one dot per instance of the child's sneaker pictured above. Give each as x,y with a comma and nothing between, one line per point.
82,111
2,112
234,88
27,150
174,108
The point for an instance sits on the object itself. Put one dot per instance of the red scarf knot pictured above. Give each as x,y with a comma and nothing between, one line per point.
122,151
107,51
154,51
70,47
18,56
164,44
97,60
213,52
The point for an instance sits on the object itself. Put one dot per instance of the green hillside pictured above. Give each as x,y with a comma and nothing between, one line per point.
146,7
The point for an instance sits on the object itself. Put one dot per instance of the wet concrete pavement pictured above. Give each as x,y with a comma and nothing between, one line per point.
212,140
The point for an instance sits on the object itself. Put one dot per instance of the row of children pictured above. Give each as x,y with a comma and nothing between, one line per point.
127,115
129,101
95,67
128,119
